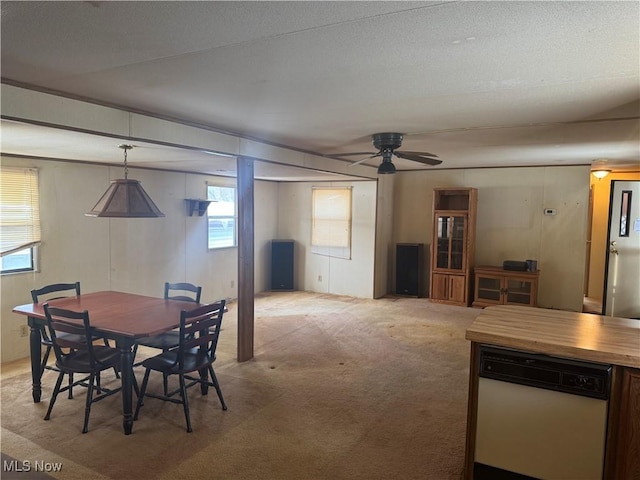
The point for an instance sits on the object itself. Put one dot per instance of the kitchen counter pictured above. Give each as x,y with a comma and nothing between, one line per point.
580,336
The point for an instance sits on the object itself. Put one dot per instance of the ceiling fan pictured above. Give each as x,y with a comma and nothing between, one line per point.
387,143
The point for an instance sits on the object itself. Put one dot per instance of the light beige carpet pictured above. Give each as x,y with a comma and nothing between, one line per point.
340,388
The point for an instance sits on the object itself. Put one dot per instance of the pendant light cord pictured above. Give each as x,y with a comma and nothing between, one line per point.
126,170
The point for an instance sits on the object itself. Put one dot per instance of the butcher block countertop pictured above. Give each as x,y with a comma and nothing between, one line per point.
575,335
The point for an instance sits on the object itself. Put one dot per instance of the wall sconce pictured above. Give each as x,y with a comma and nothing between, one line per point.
600,173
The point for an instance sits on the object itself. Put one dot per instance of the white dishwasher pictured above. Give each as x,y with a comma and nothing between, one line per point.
540,416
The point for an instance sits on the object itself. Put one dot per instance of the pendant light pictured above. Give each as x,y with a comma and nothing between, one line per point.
125,198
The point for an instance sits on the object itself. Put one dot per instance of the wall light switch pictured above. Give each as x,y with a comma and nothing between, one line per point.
550,211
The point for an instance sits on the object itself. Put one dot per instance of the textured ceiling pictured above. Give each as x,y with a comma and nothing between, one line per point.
480,84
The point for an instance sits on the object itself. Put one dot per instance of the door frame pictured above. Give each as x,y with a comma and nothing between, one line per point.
607,245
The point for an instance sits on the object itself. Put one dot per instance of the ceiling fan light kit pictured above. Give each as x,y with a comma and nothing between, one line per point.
386,167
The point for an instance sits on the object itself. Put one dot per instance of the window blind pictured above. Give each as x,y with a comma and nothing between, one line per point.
19,209
331,221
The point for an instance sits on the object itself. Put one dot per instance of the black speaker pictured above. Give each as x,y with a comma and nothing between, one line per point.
282,264
409,269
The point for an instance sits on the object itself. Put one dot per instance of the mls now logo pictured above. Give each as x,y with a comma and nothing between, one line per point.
27,466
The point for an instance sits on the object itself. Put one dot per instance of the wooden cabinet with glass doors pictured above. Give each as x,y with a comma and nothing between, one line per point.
453,246
496,286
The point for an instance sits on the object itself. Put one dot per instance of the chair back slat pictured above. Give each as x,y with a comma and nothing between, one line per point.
37,293
200,328
196,292
66,321
68,341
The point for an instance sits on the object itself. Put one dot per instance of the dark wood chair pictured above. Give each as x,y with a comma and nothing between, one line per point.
196,352
168,340
52,292
71,341
185,292
36,295
45,340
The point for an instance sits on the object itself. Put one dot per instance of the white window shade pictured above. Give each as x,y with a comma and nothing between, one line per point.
331,221
19,209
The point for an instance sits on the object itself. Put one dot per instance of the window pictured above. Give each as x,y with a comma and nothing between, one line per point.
221,217
19,218
331,222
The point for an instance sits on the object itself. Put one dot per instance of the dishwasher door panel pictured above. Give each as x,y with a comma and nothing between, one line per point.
540,433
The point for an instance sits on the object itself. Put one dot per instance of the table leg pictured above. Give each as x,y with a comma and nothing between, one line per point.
126,376
35,353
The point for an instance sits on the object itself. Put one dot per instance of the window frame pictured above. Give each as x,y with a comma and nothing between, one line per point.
19,189
222,218
33,256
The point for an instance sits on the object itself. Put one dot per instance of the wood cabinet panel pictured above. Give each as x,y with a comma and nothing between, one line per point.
627,458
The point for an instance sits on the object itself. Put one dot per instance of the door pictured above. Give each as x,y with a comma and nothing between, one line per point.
519,291
450,242
439,286
488,289
622,275
457,288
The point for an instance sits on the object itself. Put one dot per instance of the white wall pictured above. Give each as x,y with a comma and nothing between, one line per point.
139,255
133,255
510,222
338,276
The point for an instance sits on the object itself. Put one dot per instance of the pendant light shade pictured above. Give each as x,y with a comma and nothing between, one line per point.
125,198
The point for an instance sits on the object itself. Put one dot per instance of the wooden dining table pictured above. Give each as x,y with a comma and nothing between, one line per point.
122,317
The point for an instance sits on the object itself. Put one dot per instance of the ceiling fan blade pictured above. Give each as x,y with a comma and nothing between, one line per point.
421,157
365,159
423,154
352,154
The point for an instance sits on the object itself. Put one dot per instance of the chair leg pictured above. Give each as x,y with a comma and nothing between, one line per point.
143,389
70,386
216,385
165,383
135,385
185,402
133,355
45,359
115,370
54,395
87,408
